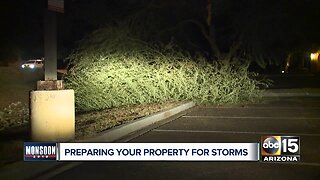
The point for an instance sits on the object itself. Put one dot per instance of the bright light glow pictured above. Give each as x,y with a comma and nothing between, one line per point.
22,66
314,56
282,72
32,66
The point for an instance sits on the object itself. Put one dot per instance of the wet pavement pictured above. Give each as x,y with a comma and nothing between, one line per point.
296,116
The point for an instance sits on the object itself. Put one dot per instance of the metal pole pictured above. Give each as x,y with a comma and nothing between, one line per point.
50,45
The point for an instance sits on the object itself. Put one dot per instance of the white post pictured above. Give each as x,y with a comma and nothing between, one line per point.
52,115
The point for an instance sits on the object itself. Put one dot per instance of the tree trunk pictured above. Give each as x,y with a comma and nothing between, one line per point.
211,33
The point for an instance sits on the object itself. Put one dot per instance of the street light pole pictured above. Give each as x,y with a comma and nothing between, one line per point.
50,45
52,108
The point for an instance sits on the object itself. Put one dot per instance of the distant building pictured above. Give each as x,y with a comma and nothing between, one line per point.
315,62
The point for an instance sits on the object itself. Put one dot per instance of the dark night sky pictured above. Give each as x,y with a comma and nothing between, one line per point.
269,27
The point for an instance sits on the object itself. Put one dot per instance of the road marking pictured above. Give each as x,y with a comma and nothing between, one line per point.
293,163
231,132
251,117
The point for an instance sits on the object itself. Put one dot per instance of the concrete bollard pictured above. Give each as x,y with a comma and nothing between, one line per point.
52,115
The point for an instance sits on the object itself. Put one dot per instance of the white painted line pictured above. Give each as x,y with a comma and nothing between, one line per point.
251,117
230,132
293,163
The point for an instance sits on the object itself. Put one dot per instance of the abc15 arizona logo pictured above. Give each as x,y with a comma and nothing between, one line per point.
280,148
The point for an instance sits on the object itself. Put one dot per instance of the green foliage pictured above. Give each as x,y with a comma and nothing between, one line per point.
16,114
112,69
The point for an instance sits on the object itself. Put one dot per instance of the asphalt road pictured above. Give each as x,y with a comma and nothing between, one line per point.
299,116
289,81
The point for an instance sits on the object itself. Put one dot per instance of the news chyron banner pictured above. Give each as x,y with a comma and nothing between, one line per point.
141,151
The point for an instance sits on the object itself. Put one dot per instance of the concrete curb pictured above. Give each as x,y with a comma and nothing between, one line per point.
125,129
44,170
292,93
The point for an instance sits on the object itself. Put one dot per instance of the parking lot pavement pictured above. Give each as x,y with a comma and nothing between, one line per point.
298,116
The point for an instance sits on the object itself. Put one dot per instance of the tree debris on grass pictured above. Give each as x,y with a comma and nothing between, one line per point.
92,123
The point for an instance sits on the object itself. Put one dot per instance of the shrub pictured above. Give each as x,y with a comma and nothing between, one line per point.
16,114
112,69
